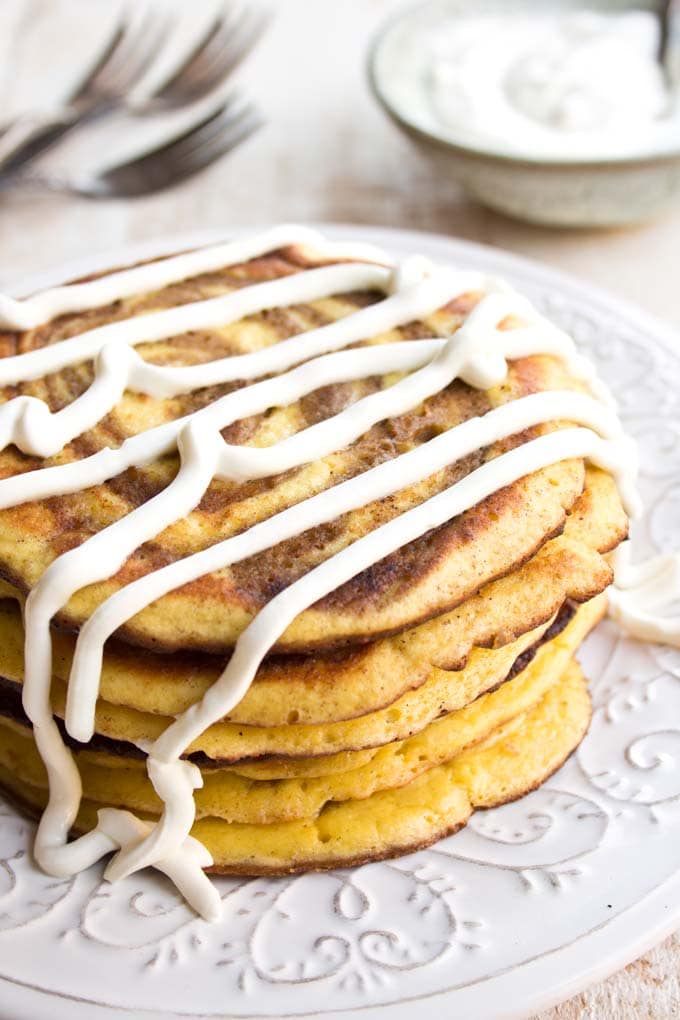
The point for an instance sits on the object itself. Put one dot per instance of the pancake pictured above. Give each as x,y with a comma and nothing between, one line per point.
445,691
346,685
515,759
226,743
423,579
234,798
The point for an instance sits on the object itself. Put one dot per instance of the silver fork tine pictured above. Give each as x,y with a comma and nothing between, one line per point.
212,143
220,61
211,125
109,69
183,145
184,139
245,124
159,175
229,28
187,70
248,122
233,36
183,156
83,86
232,133
210,147
141,42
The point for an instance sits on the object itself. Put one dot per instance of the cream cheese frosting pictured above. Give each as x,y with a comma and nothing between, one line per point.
548,84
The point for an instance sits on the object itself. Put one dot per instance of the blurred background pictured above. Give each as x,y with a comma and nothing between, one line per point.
327,150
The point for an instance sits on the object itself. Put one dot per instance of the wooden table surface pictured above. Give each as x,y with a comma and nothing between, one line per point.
327,154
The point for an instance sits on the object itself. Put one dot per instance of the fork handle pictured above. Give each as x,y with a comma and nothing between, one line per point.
30,180
30,135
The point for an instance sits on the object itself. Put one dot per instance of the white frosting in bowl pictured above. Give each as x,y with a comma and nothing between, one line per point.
567,85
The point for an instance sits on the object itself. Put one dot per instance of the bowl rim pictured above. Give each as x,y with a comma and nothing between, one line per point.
481,152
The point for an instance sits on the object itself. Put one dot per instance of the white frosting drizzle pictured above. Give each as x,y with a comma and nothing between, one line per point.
641,594
477,353
28,313
28,422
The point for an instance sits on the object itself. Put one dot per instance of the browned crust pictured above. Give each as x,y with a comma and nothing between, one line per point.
125,644
415,562
128,636
11,708
561,568
365,589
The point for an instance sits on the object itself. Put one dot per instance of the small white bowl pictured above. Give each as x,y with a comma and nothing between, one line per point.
556,192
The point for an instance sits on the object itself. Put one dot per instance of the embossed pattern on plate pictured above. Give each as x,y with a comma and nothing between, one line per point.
522,908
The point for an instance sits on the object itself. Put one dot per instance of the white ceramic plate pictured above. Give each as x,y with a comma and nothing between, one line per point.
522,909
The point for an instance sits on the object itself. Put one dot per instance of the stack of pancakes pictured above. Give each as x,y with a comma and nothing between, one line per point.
441,680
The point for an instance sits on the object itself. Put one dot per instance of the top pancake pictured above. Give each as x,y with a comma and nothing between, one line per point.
422,580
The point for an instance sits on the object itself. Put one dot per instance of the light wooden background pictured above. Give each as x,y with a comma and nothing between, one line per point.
327,153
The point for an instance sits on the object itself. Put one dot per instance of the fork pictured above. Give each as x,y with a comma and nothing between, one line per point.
182,156
122,64
126,55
